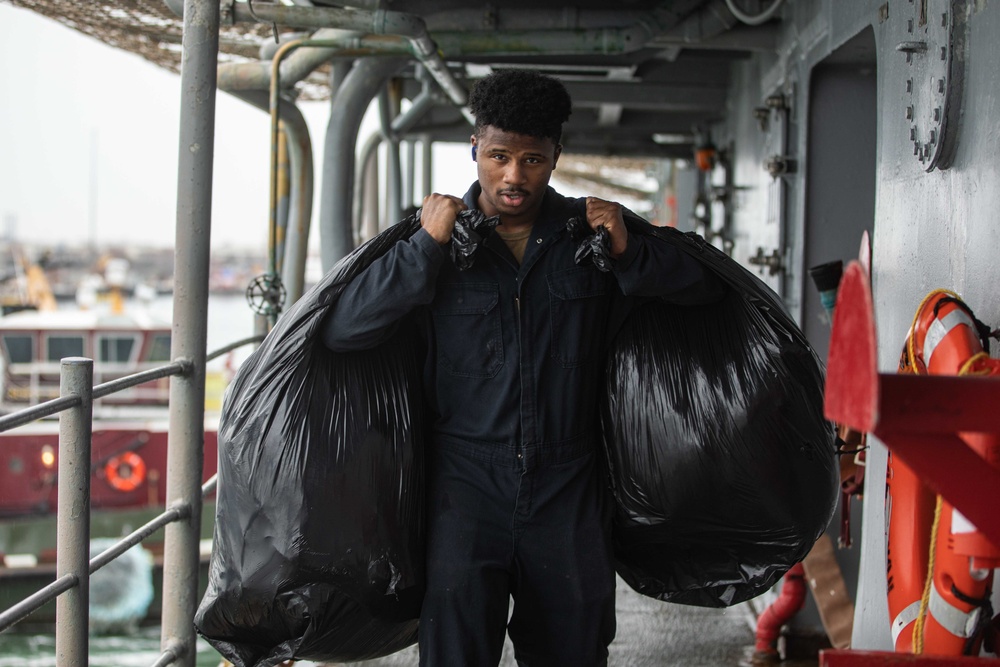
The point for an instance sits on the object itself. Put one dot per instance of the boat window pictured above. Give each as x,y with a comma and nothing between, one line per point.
159,349
20,348
116,348
60,347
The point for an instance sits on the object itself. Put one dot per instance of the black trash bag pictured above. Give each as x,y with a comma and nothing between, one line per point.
594,245
722,464
471,227
319,534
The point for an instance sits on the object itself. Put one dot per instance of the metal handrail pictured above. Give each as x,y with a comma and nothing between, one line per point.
73,371
27,386
232,346
179,367
36,412
36,600
56,405
26,607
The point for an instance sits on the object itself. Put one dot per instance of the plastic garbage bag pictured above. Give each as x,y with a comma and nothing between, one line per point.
722,465
470,229
318,547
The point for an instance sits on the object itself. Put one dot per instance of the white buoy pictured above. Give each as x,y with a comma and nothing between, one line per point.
121,591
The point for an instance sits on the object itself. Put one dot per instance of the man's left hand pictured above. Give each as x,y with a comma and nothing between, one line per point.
608,214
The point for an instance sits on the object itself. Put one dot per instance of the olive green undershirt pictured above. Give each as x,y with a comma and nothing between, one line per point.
516,241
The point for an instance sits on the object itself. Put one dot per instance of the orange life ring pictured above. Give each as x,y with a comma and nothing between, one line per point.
125,472
939,616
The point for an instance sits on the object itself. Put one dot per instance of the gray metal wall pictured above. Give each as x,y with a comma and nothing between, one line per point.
931,229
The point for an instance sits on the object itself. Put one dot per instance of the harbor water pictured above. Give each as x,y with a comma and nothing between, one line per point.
140,649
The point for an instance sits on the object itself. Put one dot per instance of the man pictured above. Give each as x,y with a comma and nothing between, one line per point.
515,354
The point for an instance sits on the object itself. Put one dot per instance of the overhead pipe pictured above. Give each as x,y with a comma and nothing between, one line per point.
504,19
460,42
738,38
366,200
248,81
300,158
346,111
709,21
400,125
755,19
705,27
419,106
176,7
583,32
426,165
269,47
388,106
273,106
570,18
283,199
387,23
274,102
290,65
297,66
659,24
410,181
363,186
300,211
380,22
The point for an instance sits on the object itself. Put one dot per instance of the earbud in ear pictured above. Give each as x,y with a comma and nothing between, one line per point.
473,153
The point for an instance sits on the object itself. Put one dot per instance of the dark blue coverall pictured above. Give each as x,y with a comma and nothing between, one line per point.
515,359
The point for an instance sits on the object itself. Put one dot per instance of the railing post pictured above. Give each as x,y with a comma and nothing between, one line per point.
73,519
185,444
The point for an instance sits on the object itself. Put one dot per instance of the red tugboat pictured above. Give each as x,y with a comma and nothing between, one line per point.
129,441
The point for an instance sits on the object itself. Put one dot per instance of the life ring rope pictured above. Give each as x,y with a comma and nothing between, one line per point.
911,351
925,598
976,366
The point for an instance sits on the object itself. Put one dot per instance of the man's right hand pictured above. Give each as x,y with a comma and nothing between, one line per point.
439,214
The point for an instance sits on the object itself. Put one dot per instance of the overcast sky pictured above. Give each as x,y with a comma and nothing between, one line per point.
61,93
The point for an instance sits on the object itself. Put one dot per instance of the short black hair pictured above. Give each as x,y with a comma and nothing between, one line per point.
521,101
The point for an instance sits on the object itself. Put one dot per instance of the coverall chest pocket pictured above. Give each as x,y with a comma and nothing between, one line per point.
467,329
578,309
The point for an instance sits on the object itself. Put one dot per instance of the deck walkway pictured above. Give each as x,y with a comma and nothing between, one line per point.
654,634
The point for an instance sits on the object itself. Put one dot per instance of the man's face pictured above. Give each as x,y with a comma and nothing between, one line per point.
514,170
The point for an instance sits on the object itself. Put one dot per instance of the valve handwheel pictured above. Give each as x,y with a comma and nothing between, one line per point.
266,294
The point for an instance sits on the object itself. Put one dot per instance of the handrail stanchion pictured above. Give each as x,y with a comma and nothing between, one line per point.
185,440
73,519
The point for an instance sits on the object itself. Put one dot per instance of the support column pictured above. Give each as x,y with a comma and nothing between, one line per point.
200,48
73,516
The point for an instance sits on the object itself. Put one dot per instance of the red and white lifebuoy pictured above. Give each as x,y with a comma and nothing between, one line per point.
925,533
125,472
